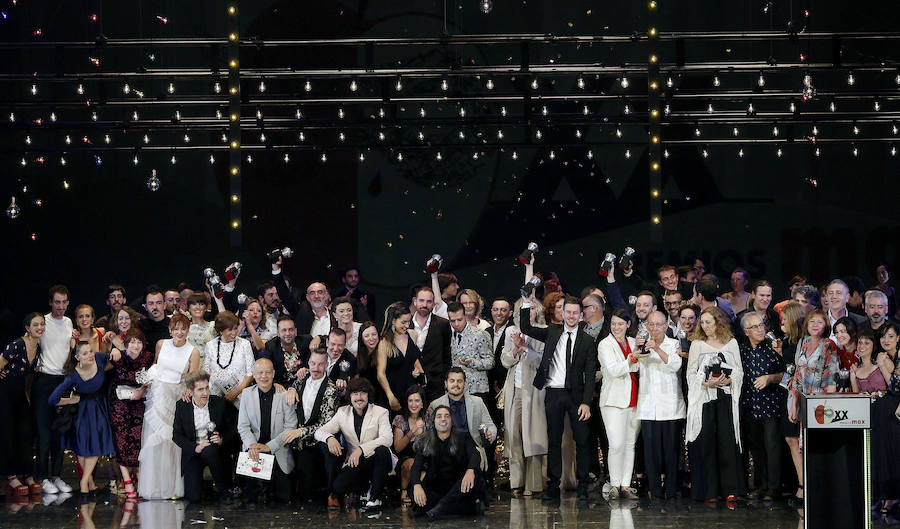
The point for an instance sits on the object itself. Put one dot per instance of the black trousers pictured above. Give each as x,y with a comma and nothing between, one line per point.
444,497
597,437
765,438
47,440
213,457
279,487
370,470
559,403
16,439
309,467
490,402
661,456
721,457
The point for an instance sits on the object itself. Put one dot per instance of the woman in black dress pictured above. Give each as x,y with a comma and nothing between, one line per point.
126,404
17,362
408,428
398,356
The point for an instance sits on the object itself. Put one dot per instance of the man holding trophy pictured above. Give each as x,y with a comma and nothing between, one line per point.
196,431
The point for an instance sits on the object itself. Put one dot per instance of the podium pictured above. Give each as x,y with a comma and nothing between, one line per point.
836,430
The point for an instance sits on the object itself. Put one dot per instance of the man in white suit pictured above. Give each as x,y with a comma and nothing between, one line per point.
263,418
365,459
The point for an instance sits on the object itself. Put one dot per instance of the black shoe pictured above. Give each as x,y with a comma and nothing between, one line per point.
433,515
550,495
479,507
583,492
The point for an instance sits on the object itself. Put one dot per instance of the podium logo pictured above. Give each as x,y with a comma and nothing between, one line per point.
826,415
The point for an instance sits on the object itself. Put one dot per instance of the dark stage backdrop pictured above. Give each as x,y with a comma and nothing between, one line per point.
759,212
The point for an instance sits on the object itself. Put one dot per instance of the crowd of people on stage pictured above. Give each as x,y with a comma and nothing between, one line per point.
629,388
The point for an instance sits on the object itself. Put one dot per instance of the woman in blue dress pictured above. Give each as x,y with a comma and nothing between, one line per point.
92,433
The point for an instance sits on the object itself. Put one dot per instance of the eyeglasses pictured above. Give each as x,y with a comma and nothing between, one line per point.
755,327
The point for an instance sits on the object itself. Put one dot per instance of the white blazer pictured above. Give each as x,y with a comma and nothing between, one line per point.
659,391
616,372
376,430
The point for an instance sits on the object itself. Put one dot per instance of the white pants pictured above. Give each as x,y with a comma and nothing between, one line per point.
622,427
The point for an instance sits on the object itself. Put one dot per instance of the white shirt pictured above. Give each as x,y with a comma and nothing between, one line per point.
422,331
321,326
441,311
558,370
201,419
310,390
832,320
55,344
659,391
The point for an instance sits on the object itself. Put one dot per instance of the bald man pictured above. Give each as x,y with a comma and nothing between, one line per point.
263,419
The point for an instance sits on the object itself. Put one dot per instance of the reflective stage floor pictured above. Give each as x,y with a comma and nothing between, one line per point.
505,511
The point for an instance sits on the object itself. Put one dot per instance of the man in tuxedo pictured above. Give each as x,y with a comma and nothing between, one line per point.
433,340
316,397
286,346
363,301
263,418
311,316
468,412
341,362
365,459
201,428
567,372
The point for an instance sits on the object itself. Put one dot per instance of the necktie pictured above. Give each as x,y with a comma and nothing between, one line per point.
458,338
568,349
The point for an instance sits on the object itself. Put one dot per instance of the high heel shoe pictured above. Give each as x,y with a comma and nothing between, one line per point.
132,494
34,488
16,490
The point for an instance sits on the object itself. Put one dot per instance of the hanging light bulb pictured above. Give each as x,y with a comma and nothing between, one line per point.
751,110
665,153
362,157
667,109
146,138
761,80
342,136
218,113
503,111
552,155
855,130
68,140
12,117
134,115
893,128
94,116
893,150
697,131
353,85
735,131
153,182
716,81
399,156
217,87
850,79
323,158
580,82
212,158
173,160
62,161
286,158
618,132
444,84
13,210
489,84
106,139
740,153
818,152
438,156
586,110
341,112
398,86
381,112
80,89
421,112
462,112
704,152
779,152
544,110
262,85
249,158
627,109
171,88
307,85
578,133
262,137
475,155
462,135
126,88
624,81
627,154
538,134
421,136
515,156
23,162
590,155
709,108
876,105
486,6
499,134
34,89
855,150
134,159
792,107
534,84
669,82
774,130
302,136
28,140
381,136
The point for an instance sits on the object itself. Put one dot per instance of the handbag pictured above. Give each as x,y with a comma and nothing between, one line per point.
64,420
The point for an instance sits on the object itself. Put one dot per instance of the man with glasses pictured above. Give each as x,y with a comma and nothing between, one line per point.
762,404
672,302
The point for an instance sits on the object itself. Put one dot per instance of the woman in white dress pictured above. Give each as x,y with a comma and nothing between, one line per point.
160,457
228,360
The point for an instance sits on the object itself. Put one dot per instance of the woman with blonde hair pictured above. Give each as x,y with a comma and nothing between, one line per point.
792,316
473,304
714,378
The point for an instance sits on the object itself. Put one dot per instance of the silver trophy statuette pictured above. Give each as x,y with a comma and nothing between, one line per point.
434,263
525,256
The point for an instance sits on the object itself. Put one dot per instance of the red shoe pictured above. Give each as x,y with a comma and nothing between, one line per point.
132,494
16,490
34,488
731,498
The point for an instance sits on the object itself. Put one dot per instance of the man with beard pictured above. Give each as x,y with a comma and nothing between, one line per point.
363,301
284,350
433,339
876,305
115,300
445,475
156,324
364,460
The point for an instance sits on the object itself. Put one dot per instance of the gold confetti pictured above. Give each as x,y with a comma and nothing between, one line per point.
390,244
589,11
571,25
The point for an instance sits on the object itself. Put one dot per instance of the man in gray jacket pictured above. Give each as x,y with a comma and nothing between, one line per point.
468,412
263,419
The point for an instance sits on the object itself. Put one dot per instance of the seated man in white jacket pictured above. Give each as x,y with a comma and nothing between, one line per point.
660,407
365,459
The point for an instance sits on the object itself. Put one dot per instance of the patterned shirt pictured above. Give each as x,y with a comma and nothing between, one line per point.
766,403
816,369
473,343
16,356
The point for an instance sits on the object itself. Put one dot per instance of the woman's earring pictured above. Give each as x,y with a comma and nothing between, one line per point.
393,328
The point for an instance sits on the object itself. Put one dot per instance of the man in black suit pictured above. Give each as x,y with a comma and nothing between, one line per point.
201,428
287,345
363,301
433,340
501,314
341,362
317,400
567,372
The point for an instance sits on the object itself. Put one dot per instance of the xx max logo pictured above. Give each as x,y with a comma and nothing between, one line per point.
828,415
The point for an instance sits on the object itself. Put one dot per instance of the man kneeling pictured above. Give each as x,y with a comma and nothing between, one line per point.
446,475
365,460
196,430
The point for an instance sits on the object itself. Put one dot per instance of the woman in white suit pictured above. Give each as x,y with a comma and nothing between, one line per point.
618,402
